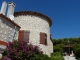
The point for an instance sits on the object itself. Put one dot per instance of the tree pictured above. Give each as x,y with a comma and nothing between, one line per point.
58,48
76,49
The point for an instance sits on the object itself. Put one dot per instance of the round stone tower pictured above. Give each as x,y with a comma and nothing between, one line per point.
37,29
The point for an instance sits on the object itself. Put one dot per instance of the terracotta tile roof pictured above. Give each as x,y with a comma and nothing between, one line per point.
33,13
3,43
68,45
1,15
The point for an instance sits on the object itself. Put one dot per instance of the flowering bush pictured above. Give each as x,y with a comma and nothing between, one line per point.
7,58
21,50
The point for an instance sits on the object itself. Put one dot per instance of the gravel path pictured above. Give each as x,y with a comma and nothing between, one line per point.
69,58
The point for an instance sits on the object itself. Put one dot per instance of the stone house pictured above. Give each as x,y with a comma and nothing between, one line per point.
35,28
8,28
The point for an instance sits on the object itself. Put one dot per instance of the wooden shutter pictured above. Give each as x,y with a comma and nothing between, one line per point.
45,39
26,36
42,38
21,35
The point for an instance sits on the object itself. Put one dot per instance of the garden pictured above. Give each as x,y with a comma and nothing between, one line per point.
60,43
17,50
23,51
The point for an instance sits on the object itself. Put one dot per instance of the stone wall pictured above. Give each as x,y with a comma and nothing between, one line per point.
35,25
8,31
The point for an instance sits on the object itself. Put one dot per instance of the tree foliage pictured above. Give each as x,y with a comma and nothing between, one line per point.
76,49
59,44
58,48
65,41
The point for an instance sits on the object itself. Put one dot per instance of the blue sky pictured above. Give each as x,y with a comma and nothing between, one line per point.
65,14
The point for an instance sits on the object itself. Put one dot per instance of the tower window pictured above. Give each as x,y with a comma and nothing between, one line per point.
43,38
23,35
26,36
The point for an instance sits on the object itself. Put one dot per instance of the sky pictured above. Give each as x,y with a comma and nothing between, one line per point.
65,15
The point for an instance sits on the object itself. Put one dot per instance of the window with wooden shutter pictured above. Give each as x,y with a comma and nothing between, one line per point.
43,38
26,36
21,35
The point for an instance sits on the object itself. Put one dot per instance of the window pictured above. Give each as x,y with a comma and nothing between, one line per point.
43,38
20,36
26,36
23,35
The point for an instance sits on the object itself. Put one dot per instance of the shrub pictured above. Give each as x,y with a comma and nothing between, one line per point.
7,58
56,56
21,50
40,57
58,48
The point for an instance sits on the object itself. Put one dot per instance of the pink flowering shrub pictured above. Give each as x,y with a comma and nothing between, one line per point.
21,50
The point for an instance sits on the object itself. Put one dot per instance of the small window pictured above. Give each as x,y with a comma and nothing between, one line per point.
43,38
26,36
23,35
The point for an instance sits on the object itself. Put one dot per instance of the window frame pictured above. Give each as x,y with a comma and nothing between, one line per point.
21,35
43,38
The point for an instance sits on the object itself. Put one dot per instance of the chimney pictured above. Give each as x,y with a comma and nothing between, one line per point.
11,7
3,8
